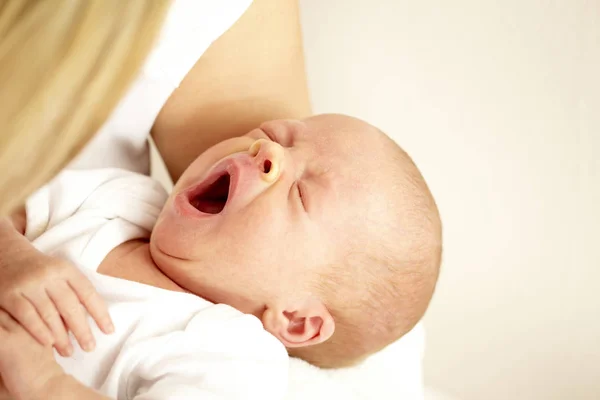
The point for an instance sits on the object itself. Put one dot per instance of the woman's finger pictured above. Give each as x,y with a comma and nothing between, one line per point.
6,321
25,314
91,300
72,312
51,317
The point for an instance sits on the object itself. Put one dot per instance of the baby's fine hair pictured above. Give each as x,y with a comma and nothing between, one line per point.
383,285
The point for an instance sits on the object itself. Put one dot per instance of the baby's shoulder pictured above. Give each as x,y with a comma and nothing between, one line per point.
220,350
74,191
228,328
111,193
83,214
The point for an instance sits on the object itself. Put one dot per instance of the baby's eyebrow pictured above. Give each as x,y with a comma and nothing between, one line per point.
320,176
323,172
320,192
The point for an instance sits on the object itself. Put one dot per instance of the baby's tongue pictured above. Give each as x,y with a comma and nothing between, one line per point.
214,197
209,206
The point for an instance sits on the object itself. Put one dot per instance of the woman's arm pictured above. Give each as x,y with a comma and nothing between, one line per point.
253,73
29,370
66,387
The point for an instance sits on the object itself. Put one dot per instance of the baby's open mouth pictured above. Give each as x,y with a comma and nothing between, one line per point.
211,198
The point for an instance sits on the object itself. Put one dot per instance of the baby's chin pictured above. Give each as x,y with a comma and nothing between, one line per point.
168,238
161,249
201,280
170,257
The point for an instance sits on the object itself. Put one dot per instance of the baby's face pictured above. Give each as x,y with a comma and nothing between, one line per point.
254,218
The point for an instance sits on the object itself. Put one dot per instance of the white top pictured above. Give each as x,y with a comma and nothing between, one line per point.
189,29
167,345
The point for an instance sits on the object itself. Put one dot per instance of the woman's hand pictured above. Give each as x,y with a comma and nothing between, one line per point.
26,367
4,395
41,292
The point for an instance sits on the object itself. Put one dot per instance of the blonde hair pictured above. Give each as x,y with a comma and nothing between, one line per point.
64,65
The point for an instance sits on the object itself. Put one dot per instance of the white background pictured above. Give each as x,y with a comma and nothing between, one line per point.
499,104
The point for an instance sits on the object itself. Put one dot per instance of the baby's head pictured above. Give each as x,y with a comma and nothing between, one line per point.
322,228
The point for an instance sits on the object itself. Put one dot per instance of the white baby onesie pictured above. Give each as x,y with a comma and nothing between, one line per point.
167,345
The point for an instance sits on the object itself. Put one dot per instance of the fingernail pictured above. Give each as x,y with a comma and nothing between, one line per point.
89,345
110,328
69,351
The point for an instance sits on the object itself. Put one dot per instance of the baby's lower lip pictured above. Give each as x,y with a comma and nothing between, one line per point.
186,209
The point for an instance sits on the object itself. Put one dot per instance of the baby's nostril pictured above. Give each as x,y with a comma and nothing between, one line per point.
267,166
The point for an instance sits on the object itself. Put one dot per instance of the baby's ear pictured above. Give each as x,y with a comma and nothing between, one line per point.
299,325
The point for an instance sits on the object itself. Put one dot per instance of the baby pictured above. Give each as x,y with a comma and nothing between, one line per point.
321,229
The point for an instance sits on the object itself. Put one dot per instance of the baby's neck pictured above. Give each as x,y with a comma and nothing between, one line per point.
132,261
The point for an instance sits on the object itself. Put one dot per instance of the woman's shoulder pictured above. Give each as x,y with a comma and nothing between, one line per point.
190,28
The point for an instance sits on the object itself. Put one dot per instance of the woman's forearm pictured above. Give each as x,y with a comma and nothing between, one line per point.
4,395
12,241
67,387
16,222
60,388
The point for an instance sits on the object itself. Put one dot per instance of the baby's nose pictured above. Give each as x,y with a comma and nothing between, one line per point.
268,157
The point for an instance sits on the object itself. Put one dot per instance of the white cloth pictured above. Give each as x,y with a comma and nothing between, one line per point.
394,373
190,27
167,345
